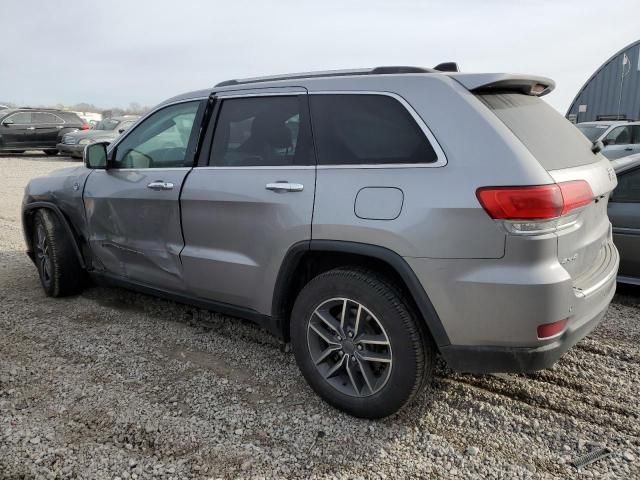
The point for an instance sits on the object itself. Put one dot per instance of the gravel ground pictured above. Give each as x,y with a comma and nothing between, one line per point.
113,384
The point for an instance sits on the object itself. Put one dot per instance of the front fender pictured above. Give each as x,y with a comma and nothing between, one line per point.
27,226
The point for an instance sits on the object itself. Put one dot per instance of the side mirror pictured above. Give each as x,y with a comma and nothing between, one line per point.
597,146
7,123
95,156
121,130
606,142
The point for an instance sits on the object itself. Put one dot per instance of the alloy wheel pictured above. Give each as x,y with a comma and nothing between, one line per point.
349,347
43,256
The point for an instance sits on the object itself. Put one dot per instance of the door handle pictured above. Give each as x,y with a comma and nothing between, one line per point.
31,128
284,187
628,149
59,126
160,185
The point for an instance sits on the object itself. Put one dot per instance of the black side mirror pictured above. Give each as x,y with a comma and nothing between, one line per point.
95,156
6,123
606,142
597,146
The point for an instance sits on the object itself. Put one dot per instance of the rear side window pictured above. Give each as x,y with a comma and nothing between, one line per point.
262,131
48,118
366,129
552,139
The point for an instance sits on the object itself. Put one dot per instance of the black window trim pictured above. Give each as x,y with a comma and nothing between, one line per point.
190,158
219,99
441,158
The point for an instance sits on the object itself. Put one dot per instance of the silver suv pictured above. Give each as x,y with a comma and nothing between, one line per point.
372,218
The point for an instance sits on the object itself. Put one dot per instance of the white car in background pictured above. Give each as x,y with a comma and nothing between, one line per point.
620,138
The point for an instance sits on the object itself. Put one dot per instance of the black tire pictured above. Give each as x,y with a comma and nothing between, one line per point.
58,266
51,153
410,349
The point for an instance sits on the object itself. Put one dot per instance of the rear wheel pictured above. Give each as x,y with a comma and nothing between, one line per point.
51,153
358,343
58,266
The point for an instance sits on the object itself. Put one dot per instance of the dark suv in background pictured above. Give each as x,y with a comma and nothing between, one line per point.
36,129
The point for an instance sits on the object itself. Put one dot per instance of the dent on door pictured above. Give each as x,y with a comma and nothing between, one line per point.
136,228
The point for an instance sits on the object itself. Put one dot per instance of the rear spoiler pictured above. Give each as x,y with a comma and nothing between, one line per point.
504,82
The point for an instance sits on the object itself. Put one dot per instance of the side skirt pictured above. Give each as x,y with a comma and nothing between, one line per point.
264,321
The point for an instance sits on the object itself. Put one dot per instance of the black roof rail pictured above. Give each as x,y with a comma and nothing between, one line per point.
330,73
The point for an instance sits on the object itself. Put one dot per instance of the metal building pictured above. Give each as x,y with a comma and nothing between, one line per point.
613,91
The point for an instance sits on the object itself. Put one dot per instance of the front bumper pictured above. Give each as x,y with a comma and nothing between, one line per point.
72,150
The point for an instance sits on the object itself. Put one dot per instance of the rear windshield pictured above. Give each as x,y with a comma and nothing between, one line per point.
552,139
592,132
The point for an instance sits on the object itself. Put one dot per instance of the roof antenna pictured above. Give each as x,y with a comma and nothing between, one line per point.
447,67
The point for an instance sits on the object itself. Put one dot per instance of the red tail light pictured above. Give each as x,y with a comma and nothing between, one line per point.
547,330
85,126
541,202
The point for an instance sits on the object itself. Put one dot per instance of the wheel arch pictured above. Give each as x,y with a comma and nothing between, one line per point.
28,212
307,259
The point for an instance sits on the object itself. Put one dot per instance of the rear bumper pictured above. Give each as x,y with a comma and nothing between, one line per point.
488,359
73,150
492,324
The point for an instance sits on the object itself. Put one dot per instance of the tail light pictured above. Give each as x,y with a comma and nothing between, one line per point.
535,209
85,126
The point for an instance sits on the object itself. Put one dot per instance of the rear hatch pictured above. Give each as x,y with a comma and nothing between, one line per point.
583,233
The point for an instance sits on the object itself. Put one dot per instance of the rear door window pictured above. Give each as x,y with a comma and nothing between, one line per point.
261,132
20,118
46,118
362,129
551,138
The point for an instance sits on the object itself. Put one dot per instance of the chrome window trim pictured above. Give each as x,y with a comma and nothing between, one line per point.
441,158
222,95
167,169
260,167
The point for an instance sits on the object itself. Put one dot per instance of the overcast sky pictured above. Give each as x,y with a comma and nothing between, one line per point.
110,53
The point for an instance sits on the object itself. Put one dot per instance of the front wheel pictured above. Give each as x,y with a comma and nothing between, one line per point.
58,267
358,343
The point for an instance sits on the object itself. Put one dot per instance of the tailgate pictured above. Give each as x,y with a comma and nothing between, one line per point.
566,155
583,248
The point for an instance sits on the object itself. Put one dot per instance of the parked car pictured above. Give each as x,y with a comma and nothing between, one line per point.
3,107
425,213
619,138
35,129
105,130
624,212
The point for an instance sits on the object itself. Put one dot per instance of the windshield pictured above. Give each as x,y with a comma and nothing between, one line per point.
106,124
592,132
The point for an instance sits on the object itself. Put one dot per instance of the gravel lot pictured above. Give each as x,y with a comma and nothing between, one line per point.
112,384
